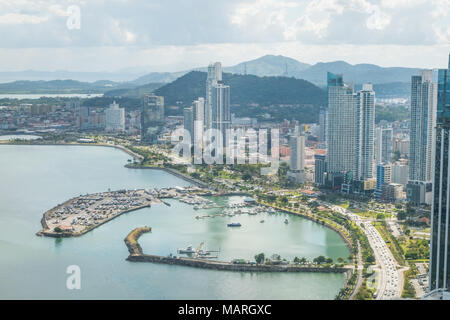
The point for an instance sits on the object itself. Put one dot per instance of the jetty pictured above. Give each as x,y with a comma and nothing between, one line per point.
137,255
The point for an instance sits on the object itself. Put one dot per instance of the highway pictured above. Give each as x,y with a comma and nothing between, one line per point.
390,282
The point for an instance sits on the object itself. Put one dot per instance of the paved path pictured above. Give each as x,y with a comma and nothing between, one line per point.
359,269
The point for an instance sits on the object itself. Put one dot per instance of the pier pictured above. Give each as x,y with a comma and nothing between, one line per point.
82,214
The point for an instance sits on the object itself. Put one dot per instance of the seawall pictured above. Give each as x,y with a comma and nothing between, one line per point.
136,255
227,266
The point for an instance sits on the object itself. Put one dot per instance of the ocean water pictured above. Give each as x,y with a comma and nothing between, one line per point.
34,179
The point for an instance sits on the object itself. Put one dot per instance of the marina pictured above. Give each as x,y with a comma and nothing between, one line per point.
101,252
79,215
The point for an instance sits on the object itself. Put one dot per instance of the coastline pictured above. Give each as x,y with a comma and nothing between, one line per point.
348,271
196,182
325,223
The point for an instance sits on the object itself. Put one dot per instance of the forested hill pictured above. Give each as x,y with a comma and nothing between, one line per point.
245,89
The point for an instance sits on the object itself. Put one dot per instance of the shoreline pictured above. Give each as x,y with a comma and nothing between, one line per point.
325,224
119,147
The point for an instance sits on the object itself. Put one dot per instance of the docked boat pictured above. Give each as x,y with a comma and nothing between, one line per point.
234,224
189,249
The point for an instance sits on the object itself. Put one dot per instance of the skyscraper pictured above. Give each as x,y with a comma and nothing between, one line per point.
423,121
341,131
152,117
297,156
383,145
365,125
221,113
214,76
199,110
115,118
323,115
320,167
384,174
297,152
188,114
439,270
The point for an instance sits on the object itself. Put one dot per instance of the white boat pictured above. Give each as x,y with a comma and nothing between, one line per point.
189,249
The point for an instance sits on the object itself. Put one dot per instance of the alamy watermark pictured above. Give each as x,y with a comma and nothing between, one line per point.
74,18
228,146
73,281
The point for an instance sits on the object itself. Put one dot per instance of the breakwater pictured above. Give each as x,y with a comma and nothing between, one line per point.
132,243
137,255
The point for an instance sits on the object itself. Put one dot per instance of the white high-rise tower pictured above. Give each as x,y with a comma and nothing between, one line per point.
214,76
423,121
341,130
365,125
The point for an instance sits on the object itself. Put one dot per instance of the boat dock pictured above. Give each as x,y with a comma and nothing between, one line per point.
79,215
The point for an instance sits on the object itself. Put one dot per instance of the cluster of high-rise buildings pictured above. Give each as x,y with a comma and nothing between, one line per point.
360,156
211,112
349,134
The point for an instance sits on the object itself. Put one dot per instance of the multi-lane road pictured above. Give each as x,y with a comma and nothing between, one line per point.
390,281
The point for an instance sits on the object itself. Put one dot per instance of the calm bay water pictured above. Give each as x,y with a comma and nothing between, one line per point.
36,178
48,95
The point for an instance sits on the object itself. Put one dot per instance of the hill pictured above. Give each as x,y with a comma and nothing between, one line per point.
357,74
245,89
268,65
304,98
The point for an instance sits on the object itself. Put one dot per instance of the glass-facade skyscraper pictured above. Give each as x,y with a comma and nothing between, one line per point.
152,117
439,271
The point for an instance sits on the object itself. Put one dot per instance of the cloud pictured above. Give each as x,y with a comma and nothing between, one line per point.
180,22
180,28
15,18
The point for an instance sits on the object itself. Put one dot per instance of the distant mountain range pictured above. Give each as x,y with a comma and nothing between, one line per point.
271,65
268,65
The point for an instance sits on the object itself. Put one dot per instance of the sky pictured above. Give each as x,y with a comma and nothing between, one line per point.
174,35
